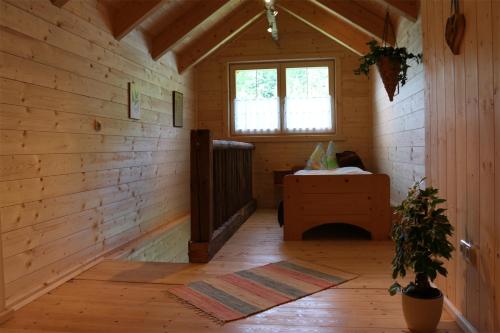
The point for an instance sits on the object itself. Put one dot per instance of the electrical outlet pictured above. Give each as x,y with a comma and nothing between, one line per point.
467,249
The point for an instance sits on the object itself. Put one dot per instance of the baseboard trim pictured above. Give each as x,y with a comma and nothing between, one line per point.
18,303
125,250
6,315
26,299
459,317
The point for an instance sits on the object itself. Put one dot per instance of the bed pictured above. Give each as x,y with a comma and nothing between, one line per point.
344,195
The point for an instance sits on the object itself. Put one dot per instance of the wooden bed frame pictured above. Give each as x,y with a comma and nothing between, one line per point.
360,200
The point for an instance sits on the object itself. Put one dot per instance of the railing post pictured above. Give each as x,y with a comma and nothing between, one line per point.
201,186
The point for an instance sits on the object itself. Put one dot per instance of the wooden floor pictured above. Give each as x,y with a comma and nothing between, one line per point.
119,296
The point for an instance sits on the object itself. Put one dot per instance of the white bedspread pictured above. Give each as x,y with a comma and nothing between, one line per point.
339,171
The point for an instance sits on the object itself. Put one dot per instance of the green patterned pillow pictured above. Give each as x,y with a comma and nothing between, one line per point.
317,161
331,158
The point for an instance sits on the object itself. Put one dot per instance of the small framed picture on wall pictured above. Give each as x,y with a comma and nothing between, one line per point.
177,102
134,101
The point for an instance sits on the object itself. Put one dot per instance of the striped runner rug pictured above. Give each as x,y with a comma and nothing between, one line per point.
241,294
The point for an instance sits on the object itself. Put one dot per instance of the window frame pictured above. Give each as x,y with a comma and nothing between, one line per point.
232,92
281,66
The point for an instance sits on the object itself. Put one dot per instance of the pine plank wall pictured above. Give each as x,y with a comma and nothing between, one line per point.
297,41
69,193
463,155
445,124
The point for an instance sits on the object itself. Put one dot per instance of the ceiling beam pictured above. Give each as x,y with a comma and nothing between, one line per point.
131,14
223,31
328,24
183,25
406,8
59,3
358,16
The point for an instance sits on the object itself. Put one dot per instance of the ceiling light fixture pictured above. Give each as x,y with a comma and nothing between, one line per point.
271,14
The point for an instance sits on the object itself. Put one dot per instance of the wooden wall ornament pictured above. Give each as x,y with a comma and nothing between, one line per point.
455,28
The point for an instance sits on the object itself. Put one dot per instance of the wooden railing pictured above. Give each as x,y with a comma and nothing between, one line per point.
221,192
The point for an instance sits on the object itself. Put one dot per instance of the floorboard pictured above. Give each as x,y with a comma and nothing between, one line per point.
121,296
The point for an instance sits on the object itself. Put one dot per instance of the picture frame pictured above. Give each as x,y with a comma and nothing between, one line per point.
134,101
177,105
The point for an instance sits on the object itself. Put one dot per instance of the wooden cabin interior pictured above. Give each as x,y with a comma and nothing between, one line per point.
147,145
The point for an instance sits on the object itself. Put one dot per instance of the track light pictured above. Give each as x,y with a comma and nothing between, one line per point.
271,14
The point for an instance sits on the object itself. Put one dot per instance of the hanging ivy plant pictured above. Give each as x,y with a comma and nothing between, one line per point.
392,62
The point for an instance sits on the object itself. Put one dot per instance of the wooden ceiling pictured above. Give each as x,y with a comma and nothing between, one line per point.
193,29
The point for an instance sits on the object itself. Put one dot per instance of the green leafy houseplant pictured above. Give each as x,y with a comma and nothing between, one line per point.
421,238
392,62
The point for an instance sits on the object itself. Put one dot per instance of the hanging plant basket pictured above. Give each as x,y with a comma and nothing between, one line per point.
392,62
389,69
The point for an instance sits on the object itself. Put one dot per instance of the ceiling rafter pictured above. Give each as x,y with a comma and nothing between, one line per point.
59,3
358,16
406,8
131,14
328,24
182,26
223,31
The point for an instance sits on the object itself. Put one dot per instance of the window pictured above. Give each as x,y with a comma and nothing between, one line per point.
282,98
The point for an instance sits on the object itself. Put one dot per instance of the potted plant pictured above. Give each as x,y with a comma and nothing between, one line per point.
392,63
421,239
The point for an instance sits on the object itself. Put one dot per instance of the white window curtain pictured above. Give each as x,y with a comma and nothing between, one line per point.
257,116
282,98
308,114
